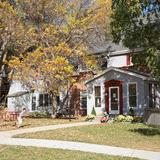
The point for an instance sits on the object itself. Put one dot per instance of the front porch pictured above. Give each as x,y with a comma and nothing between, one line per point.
118,91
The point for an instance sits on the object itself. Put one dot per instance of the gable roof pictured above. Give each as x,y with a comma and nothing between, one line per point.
134,73
113,49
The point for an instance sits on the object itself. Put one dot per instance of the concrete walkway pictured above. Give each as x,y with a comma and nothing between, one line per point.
5,138
9,134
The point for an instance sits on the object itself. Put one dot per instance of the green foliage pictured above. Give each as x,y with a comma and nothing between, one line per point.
123,118
131,112
138,119
90,117
93,111
136,24
38,115
119,118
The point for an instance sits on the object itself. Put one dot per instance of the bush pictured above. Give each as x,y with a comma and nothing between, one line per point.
93,112
122,118
90,117
138,119
131,112
39,115
128,119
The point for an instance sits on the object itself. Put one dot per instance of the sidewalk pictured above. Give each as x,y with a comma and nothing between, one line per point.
78,146
9,134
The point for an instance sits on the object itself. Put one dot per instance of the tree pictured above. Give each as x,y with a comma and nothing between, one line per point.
57,36
11,39
136,23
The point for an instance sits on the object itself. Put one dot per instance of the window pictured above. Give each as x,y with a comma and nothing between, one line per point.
83,99
33,103
44,100
40,99
97,96
132,89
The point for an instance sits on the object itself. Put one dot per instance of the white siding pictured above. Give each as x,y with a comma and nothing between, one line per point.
16,103
91,98
118,61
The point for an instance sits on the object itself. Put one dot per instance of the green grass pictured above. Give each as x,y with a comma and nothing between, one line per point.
137,136
31,153
36,122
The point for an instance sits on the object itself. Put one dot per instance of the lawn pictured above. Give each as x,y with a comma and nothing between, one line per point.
137,136
35,122
31,153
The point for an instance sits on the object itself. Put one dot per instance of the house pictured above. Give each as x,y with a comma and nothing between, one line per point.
116,90
78,93
119,56
21,97
119,88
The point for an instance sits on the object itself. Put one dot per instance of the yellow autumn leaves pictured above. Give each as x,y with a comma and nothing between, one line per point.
56,40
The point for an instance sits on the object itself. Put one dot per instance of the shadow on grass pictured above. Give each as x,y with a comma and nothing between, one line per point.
147,131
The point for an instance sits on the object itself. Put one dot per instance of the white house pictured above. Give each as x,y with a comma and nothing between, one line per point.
95,95
117,90
20,97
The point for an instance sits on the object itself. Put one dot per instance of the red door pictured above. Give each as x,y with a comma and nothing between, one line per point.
114,97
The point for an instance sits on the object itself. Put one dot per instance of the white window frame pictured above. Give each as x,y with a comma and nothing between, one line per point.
128,94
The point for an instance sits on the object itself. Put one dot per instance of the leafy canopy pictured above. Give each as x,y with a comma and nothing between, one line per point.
137,24
56,39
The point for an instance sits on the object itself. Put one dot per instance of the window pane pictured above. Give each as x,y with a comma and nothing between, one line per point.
97,91
97,96
132,101
33,103
40,99
84,102
132,95
45,99
83,99
132,89
97,102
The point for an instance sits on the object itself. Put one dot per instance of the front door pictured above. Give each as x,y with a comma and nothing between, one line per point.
114,100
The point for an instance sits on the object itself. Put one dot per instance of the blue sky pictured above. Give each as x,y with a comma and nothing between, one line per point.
153,6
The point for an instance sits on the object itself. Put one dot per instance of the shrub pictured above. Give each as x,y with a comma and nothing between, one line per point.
131,112
38,115
90,117
120,118
137,119
93,112
128,118
123,118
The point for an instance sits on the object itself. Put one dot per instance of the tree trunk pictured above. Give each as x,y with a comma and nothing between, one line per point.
4,84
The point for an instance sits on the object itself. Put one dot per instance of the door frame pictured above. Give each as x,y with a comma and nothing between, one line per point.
112,111
113,83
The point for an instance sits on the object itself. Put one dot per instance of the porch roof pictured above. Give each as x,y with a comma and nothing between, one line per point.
134,73
18,94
